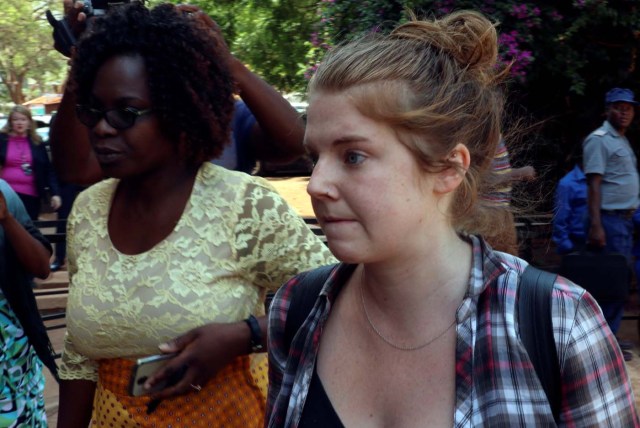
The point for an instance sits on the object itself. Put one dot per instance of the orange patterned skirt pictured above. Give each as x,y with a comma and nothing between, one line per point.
234,398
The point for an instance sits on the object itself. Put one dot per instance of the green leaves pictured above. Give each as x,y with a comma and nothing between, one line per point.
270,36
29,66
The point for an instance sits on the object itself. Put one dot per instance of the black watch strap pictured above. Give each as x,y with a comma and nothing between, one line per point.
256,334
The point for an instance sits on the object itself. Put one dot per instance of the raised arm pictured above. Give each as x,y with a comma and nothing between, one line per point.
279,130
73,158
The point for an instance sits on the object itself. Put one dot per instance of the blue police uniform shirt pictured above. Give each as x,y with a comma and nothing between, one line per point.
607,153
570,210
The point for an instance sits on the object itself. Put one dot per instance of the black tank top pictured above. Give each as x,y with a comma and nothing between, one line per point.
318,410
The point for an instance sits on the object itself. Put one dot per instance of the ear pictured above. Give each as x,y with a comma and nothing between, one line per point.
450,178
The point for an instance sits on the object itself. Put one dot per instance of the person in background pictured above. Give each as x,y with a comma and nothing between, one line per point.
418,324
265,126
24,162
69,192
497,199
172,254
570,210
24,344
613,186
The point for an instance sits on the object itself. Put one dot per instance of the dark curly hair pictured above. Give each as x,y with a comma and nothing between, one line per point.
187,74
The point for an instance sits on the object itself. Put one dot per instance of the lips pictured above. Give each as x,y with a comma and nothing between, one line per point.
334,219
107,155
330,222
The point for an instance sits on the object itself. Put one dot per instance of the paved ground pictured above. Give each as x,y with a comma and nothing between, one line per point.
293,190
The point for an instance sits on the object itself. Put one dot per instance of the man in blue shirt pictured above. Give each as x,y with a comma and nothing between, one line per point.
570,211
613,185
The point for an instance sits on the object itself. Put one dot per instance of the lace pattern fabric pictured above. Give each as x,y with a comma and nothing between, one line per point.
236,239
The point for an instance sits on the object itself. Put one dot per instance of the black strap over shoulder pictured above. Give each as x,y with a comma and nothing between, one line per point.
303,296
536,331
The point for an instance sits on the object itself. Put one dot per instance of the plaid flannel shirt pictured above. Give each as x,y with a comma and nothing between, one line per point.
496,384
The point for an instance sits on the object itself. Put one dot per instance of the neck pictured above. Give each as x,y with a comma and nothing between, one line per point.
155,186
433,279
620,129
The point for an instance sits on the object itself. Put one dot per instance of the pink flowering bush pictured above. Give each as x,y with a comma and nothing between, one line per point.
537,38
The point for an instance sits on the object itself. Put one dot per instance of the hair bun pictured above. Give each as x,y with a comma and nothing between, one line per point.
466,36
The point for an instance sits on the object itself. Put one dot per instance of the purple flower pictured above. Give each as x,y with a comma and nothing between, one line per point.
556,16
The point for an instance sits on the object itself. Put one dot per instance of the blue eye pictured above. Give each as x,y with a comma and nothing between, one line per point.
354,158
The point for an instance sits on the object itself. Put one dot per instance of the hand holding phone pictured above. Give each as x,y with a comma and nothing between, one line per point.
147,366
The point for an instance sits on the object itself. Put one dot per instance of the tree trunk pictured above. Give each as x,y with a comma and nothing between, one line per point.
14,83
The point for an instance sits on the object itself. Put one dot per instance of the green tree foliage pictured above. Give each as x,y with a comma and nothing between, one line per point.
271,37
26,50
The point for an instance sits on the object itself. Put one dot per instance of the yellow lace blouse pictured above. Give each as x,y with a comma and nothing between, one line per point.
236,239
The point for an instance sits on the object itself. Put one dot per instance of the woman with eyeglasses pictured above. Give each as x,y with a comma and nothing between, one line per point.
24,162
172,254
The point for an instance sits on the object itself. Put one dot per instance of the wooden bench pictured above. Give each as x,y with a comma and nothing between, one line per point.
54,237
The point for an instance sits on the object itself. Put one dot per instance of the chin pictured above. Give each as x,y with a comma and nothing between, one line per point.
347,253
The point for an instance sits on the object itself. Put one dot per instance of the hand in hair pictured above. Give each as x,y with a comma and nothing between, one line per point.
76,20
277,135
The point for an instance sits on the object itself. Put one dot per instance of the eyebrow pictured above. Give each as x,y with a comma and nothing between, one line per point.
345,139
125,99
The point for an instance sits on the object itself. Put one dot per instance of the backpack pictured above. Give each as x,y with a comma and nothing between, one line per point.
534,315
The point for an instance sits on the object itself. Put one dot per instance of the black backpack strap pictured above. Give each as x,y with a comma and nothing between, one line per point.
536,331
303,296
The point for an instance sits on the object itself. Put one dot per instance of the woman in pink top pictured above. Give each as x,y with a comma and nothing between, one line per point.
24,162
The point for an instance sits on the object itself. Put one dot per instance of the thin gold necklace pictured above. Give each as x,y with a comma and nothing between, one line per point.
389,342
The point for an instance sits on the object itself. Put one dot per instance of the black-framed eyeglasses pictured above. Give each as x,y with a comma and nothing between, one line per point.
118,118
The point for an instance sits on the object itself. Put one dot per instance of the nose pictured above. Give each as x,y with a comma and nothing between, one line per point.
103,129
320,184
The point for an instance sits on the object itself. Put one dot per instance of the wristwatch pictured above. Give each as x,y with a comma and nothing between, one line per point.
256,334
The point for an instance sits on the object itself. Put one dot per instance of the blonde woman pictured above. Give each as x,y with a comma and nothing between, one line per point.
24,162
418,325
